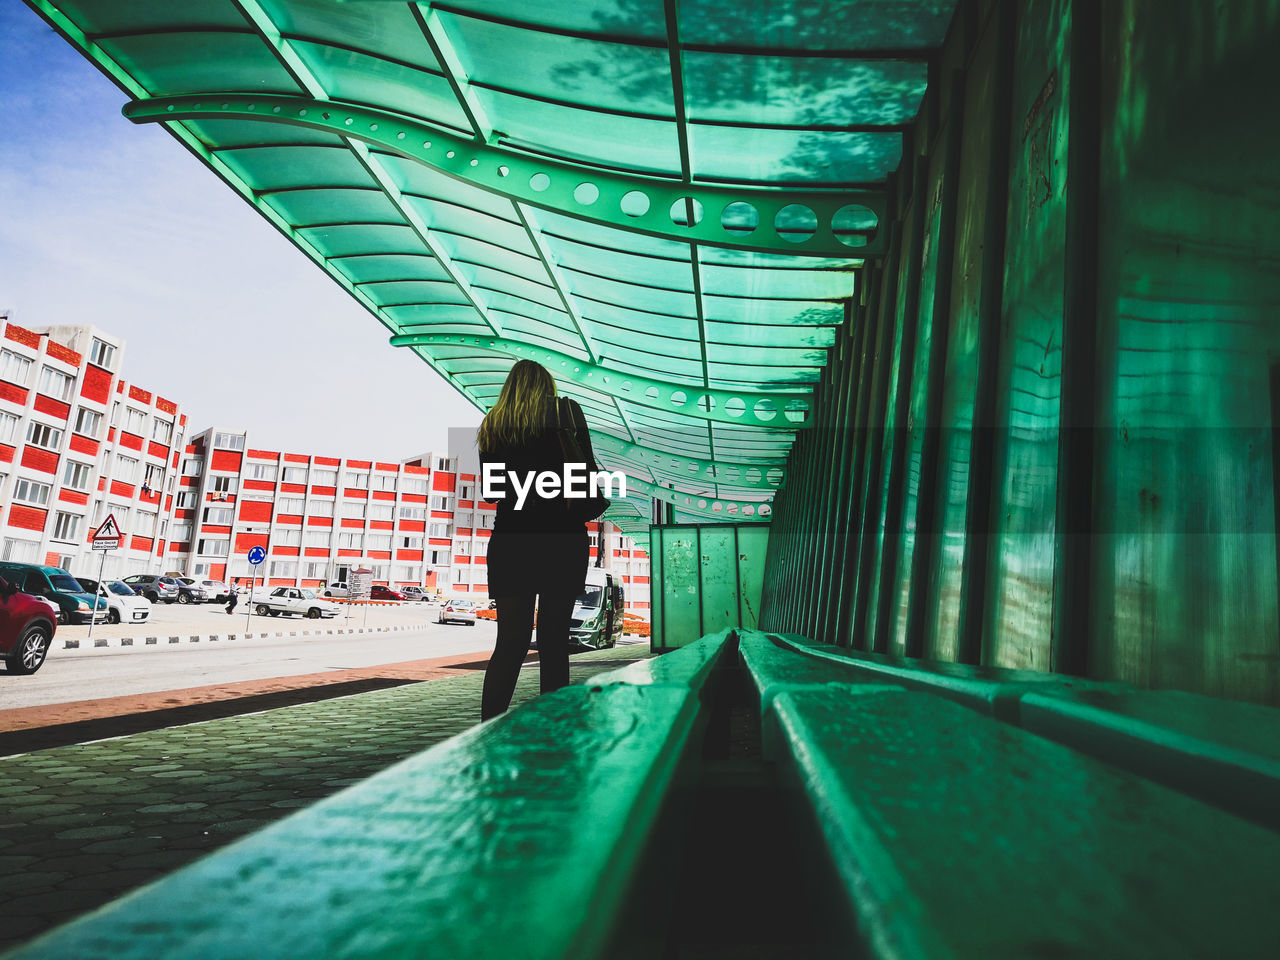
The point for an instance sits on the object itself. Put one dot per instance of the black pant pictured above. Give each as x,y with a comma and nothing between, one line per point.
515,629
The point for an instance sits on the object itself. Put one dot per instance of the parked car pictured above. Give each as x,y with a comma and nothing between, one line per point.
414,592
56,585
122,602
458,611
379,592
27,626
289,601
215,591
155,588
337,588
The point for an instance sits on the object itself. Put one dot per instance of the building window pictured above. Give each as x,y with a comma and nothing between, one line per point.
291,505
437,502
284,568
463,519
192,467
146,523
186,499
20,551
410,543
213,548
316,539
56,384
229,441
260,471
126,469
413,485
152,478
353,509
66,526
438,530
76,475
223,484
8,428
358,480
486,521
324,478
43,435
351,541
380,511
181,532
290,537
161,431
413,513
379,541
439,557
135,421
384,481
101,353
467,490
294,475
30,491
88,422
320,508
314,569
14,367
222,516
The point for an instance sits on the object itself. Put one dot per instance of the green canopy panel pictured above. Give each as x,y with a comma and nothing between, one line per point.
665,203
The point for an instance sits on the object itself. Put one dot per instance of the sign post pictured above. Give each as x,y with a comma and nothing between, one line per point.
358,587
256,556
106,537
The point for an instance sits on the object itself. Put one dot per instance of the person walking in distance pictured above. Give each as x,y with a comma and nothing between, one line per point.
235,595
538,552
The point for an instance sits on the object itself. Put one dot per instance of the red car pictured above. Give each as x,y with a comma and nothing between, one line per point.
26,629
379,592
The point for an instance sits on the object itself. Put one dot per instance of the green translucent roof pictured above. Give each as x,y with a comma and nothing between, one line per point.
664,202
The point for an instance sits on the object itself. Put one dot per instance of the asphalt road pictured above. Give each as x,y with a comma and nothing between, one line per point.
89,673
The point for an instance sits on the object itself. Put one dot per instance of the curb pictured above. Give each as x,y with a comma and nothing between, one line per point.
101,643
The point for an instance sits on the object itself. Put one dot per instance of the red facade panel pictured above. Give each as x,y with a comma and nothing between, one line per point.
54,408
466,505
348,553
96,384
285,551
46,461
122,489
271,455
295,458
214,529
413,498
23,336
13,393
348,523
246,541
443,482
411,555
315,552
293,488
168,406
225,460
357,494
140,543
28,518
6,453
327,461
463,531
73,496
320,521
384,495
325,491
65,354
255,511
380,525
360,464
260,485
84,445
158,450
289,518
137,393
379,554
130,440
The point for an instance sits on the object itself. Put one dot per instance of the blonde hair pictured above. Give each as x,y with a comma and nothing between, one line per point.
519,413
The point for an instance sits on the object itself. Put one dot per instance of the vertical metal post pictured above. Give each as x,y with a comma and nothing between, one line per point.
924,559
897,482
975,573
840,352
820,564
1073,560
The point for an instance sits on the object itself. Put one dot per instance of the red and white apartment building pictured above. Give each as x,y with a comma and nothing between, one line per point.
79,443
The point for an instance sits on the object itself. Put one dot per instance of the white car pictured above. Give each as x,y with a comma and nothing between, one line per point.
413,592
458,611
290,601
337,588
215,590
124,605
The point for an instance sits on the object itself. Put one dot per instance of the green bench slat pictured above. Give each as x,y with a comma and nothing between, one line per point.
689,665
1224,752
956,836
993,690
515,840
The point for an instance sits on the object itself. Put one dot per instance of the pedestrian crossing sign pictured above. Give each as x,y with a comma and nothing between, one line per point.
107,536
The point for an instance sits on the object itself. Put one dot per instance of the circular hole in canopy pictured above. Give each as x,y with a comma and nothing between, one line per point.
735,407
539,182
766,410
686,212
854,224
503,171
795,223
740,218
678,398
797,411
586,193
651,393
635,204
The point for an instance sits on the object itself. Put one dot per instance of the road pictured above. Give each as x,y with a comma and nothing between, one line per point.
69,676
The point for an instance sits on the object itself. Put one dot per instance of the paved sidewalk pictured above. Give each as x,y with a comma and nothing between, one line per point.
84,823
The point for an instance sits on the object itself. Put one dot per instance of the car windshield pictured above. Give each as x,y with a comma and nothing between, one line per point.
463,603
590,597
115,586
171,582
308,595
66,582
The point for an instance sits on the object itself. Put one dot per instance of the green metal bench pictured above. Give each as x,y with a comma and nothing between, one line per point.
1221,751
517,839
955,835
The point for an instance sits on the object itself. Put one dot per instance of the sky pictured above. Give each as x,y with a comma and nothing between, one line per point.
116,225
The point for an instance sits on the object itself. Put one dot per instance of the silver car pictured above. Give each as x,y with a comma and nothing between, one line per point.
458,611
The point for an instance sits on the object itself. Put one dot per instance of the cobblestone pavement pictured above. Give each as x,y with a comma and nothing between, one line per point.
84,823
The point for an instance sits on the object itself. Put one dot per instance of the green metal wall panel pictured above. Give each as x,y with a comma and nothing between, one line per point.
1184,590
1025,472
709,577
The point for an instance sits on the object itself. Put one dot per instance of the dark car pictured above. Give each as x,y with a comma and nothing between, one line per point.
27,627
57,586
156,588
379,592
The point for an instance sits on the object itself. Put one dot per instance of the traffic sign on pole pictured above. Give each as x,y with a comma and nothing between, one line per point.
107,536
257,555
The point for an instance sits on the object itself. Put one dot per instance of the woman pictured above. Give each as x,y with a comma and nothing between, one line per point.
538,553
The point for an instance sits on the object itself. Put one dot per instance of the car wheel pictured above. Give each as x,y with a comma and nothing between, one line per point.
275,613
262,610
152,597
29,653
64,617
471,624
113,616
183,598
313,613
328,594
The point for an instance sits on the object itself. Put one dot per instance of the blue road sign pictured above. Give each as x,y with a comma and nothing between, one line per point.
257,555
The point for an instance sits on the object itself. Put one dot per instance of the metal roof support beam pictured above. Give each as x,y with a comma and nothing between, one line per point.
438,39
784,411
762,475
746,511
630,202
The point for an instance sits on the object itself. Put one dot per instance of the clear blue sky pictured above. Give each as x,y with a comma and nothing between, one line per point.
117,225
